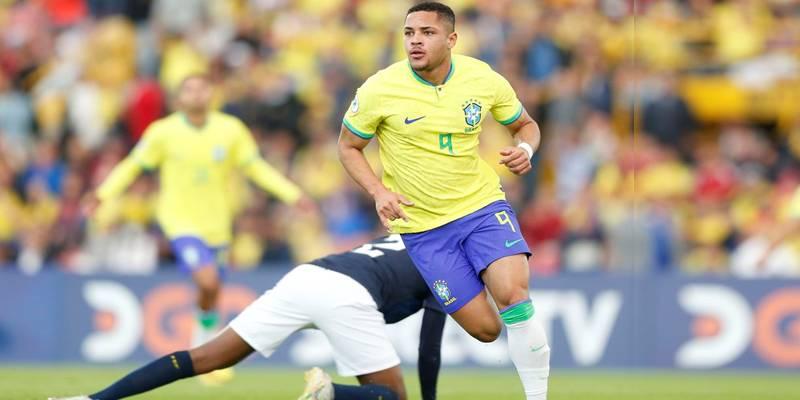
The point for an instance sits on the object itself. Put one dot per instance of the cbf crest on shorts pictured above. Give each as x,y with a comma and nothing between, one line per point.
443,291
472,114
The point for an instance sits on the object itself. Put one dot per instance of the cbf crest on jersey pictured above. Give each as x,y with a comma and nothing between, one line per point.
472,114
443,291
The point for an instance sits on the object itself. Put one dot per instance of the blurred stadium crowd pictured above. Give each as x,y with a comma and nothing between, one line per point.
671,128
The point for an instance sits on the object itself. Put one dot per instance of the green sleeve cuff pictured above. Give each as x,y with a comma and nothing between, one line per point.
513,118
353,130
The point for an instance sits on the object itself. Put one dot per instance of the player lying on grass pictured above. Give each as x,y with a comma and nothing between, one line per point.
349,297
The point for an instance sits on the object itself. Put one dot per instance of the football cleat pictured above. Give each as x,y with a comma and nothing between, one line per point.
216,378
318,385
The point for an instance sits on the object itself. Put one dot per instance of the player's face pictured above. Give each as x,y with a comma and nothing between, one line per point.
195,95
428,40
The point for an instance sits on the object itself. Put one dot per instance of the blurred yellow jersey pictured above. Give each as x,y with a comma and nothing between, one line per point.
196,167
794,205
428,137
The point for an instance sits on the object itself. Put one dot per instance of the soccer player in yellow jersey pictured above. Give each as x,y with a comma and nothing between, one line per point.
436,191
777,237
197,151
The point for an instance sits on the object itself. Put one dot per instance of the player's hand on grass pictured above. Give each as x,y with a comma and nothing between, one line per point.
390,206
516,160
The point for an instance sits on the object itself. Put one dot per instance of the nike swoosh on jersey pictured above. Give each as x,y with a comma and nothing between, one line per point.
535,349
411,121
511,243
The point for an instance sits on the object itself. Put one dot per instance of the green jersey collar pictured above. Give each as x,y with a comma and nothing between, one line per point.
423,81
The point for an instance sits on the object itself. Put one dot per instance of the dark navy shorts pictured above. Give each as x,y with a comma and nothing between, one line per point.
452,256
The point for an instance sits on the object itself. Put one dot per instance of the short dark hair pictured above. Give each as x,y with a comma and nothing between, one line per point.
441,10
205,77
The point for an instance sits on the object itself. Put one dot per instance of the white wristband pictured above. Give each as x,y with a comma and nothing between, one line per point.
527,147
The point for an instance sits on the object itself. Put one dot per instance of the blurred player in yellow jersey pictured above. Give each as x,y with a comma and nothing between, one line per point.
197,152
777,236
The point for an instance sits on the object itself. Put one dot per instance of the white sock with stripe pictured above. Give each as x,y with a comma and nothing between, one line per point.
528,348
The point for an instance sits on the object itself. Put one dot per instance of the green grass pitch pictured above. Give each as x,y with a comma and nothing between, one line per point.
34,382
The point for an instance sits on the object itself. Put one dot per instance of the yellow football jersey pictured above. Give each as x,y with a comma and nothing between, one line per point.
794,205
428,137
196,166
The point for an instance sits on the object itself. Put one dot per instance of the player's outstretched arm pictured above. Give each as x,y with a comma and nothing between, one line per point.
430,344
120,177
275,183
528,137
148,154
269,179
272,181
776,237
388,204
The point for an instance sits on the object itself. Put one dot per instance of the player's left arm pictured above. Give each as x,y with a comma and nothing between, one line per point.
271,180
265,175
527,136
509,111
430,344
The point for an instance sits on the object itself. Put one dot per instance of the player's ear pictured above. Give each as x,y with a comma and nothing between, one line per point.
451,40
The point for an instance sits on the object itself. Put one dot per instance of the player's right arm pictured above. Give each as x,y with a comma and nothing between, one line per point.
148,154
259,171
358,127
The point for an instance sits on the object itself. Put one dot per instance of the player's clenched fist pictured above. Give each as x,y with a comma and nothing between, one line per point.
390,206
516,159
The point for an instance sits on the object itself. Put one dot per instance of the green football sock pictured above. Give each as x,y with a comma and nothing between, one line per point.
517,313
208,319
